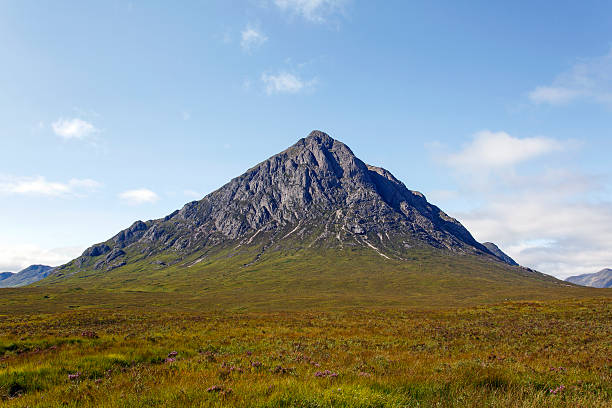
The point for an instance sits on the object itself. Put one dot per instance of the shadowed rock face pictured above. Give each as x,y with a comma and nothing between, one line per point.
318,191
494,249
601,279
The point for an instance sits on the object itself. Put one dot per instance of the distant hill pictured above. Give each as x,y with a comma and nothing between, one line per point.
4,275
29,275
601,279
494,249
313,222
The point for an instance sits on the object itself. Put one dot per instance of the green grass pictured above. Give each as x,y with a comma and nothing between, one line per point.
500,355
297,280
434,330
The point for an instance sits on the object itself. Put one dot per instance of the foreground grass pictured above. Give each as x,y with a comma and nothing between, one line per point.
525,354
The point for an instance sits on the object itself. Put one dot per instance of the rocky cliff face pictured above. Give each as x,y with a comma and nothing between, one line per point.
315,193
601,279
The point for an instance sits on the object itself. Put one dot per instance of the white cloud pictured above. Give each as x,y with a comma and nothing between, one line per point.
15,257
40,186
313,10
561,236
139,196
73,128
589,79
252,38
490,150
284,82
555,220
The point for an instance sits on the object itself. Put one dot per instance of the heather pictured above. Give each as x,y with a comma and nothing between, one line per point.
518,353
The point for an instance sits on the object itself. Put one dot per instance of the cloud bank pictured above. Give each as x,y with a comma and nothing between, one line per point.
16,257
552,219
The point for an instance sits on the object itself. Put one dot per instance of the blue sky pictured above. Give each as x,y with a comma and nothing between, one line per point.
123,110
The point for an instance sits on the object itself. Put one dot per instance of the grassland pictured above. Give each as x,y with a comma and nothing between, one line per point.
510,354
297,280
308,328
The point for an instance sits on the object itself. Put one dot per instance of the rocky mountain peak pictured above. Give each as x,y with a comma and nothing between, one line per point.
317,192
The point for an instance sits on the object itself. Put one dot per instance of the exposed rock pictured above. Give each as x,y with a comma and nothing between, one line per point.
317,192
115,265
499,254
96,250
115,253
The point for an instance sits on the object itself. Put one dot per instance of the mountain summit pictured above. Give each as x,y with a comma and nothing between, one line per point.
312,213
317,190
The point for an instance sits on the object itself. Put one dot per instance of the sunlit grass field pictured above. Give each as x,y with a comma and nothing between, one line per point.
512,354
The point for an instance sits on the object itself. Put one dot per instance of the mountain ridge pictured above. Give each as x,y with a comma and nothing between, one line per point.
29,275
601,279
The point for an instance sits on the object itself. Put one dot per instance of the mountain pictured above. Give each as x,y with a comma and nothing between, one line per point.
494,249
601,279
312,221
4,275
29,275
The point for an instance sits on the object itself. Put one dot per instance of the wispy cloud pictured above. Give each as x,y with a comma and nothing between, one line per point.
74,128
284,82
139,196
589,79
490,150
40,186
193,194
312,10
252,38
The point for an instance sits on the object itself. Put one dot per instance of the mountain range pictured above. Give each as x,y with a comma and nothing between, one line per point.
4,275
311,218
601,279
29,275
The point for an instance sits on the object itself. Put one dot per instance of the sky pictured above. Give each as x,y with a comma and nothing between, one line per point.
114,111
